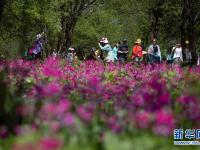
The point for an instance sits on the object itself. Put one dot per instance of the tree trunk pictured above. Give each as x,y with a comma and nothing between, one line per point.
69,30
156,14
188,28
74,9
2,4
66,35
154,24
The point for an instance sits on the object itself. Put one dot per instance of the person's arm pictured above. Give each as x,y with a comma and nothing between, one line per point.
159,52
105,48
181,54
149,51
101,47
173,52
126,50
119,50
135,50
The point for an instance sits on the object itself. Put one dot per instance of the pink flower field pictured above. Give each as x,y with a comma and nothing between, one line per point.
52,105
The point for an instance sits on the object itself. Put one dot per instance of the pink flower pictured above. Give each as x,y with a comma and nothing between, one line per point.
25,110
190,107
3,132
49,143
55,126
142,119
49,109
63,106
68,119
165,122
52,89
52,68
114,124
85,114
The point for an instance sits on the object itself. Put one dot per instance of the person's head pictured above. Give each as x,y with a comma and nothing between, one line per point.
154,41
178,45
169,51
118,44
138,42
38,36
104,41
71,50
124,41
93,49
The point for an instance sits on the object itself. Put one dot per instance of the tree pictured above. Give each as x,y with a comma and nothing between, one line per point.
2,3
70,12
189,30
22,20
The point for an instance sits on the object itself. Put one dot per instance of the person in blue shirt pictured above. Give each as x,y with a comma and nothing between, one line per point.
115,51
105,46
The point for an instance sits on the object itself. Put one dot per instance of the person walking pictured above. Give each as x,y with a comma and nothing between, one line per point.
38,45
70,55
154,53
137,52
105,46
123,51
115,51
177,54
198,60
169,57
188,54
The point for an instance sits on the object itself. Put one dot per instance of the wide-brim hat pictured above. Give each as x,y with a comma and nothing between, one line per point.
71,49
104,40
138,41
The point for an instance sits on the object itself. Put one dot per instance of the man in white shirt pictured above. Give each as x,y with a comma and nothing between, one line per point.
177,54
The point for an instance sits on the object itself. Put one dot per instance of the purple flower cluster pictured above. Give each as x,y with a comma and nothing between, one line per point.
113,97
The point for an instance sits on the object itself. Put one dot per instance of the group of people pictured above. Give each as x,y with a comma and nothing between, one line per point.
139,55
176,55
120,52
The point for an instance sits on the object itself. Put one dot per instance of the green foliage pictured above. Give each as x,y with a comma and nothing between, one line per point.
22,20
115,19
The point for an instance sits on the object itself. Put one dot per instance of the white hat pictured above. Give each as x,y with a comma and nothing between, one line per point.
38,36
71,49
104,40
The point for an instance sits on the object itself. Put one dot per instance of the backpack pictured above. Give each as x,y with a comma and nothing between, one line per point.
155,49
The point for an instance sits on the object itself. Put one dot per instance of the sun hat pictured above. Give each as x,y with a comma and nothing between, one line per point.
124,40
104,40
71,49
138,41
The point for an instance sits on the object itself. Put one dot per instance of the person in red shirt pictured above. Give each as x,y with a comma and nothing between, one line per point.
137,51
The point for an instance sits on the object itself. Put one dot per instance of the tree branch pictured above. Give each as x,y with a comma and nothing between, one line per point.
196,16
